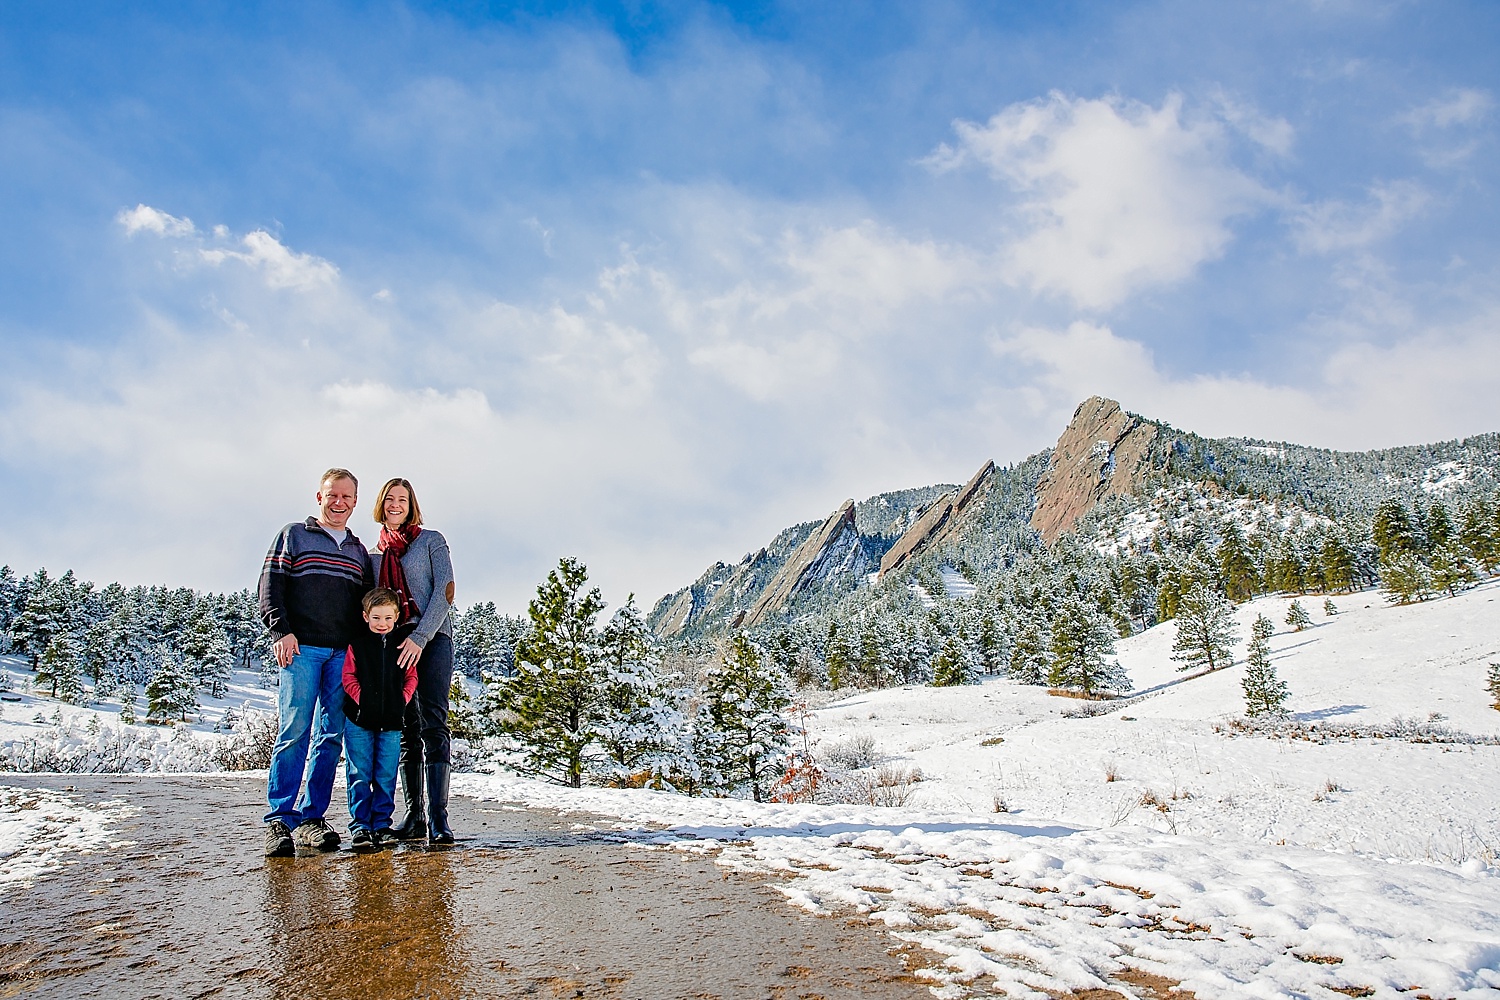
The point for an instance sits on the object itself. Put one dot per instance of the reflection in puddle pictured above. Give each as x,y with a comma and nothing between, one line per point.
377,925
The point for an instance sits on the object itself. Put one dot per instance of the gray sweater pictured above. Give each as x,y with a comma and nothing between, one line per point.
429,574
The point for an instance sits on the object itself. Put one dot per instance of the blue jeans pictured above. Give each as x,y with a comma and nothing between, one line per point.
370,760
310,704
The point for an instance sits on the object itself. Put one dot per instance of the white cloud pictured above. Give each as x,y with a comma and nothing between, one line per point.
1115,195
1361,395
1465,106
281,268
1325,227
144,218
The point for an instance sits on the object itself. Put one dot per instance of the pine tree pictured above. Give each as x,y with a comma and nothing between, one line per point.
204,648
172,693
1452,570
954,665
1297,617
1405,579
740,733
639,728
554,697
1236,568
60,668
1329,608
1393,531
1206,632
1478,536
1028,654
463,721
1265,693
127,703
1338,562
1081,639
1492,685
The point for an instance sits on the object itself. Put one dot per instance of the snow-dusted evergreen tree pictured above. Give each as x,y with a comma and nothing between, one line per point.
954,665
60,670
740,732
553,701
1394,531
1405,578
204,648
484,641
1452,570
1265,693
1297,616
12,598
1492,685
1329,608
1206,632
173,692
1236,568
1029,658
127,703
1081,639
640,729
1478,534
51,609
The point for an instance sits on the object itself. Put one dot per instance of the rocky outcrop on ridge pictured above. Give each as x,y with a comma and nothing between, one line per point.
1103,452
835,547
936,523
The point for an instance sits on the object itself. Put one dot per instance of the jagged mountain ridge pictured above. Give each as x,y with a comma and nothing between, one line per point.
1004,512
726,594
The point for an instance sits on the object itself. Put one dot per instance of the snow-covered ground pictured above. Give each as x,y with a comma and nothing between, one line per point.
41,829
1153,841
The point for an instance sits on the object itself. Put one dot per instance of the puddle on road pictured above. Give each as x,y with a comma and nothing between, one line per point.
524,907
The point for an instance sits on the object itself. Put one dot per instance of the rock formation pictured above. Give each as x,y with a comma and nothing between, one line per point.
828,549
1103,452
936,522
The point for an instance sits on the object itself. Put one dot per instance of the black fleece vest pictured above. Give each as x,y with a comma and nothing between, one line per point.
381,707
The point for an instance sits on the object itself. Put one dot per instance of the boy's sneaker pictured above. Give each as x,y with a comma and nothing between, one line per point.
316,835
386,838
279,840
362,841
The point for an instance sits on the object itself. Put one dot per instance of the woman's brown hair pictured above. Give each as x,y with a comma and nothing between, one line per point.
413,510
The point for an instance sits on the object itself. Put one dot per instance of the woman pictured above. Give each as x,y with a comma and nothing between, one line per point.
414,563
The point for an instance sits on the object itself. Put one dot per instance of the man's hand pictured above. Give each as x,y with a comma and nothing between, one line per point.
408,654
286,649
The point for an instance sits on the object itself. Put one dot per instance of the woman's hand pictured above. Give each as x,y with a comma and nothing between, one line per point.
407,654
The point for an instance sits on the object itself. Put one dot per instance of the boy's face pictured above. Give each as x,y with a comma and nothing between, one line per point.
381,618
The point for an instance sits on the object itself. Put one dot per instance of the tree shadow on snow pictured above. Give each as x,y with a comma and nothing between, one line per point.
812,830
1327,713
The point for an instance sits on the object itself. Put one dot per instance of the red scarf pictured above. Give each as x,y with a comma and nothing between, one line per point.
393,545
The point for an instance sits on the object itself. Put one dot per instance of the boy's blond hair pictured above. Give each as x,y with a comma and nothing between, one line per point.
379,598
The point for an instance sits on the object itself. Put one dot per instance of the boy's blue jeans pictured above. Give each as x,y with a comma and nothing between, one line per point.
310,705
370,761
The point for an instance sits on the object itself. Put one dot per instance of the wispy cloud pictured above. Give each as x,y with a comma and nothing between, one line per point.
1329,226
1114,195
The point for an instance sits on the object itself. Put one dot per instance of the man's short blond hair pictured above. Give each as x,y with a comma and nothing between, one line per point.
333,474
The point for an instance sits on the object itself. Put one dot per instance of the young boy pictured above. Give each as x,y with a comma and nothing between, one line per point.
376,691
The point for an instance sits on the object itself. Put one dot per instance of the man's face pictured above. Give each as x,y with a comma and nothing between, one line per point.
381,618
336,502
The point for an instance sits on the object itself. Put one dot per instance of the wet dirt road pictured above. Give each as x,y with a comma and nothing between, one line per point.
521,908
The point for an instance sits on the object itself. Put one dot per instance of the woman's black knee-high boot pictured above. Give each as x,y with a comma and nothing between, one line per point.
437,803
414,825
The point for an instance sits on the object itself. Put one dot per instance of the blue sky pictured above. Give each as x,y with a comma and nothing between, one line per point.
644,283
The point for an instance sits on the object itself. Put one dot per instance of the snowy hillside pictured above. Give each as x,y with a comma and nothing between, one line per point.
1370,664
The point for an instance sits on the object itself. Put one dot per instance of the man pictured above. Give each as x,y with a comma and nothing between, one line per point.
310,591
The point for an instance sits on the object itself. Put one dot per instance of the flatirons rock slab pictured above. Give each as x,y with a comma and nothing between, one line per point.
1103,452
936,523
829,548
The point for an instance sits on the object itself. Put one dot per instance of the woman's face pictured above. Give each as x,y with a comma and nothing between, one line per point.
397,505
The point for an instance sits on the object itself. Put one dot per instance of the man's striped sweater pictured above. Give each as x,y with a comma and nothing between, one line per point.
311,586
